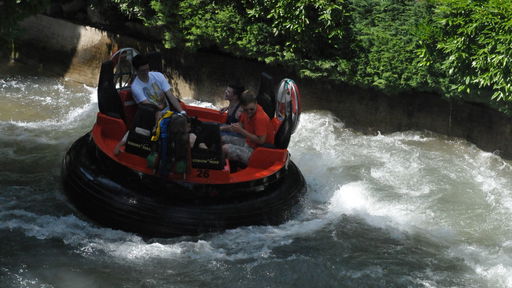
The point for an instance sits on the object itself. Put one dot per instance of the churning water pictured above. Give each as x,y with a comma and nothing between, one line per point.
402,210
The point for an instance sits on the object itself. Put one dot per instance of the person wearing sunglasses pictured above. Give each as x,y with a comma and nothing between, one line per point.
255,127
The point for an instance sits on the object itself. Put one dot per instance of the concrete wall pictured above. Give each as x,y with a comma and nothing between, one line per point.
205,75
76,52
69,50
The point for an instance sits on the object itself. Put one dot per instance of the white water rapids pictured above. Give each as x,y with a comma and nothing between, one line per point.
409,209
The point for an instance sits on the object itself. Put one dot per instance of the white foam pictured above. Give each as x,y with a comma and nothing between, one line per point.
356,199
414,183
203,104
89,240
406,183
71,119
60,107
491,264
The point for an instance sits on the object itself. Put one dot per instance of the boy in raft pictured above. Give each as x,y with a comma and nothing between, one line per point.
150,87
255,127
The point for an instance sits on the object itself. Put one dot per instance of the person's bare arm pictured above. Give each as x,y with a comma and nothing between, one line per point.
117,149
174,101
236,127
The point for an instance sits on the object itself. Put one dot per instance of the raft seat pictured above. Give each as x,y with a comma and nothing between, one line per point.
212,157
263,158
204,114
129,106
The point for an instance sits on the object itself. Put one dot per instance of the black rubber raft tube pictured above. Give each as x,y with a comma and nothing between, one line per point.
118,197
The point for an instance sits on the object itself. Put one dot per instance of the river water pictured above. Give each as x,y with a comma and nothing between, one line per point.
408,209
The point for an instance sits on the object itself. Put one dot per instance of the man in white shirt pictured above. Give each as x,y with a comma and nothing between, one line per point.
151,87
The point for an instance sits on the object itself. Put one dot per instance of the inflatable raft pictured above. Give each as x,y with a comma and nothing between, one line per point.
207,193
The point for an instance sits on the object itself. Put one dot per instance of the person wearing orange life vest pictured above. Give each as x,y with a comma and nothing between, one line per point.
254,125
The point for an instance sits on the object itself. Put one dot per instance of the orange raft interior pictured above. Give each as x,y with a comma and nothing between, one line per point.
108,131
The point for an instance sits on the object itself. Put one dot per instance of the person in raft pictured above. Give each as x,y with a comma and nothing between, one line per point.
150,87
232,94
255,127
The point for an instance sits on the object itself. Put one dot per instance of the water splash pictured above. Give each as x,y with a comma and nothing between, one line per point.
411,184
43,102
442,188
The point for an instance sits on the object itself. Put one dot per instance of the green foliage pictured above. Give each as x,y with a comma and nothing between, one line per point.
13,11
386,36
461,48
304,34
471,42
154,13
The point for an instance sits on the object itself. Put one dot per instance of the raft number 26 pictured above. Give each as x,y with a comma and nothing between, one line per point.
203,173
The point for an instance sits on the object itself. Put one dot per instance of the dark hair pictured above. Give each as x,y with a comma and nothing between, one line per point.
237,89
139,60
247,98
